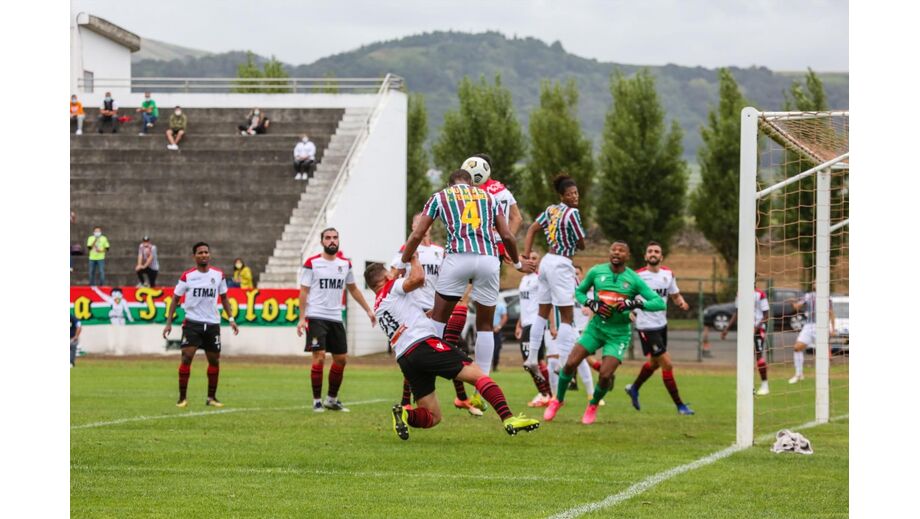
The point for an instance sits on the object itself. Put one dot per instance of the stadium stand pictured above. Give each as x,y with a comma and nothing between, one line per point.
235,192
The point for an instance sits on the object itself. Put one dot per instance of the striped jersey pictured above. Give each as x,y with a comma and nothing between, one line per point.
562,226
469,214
201,290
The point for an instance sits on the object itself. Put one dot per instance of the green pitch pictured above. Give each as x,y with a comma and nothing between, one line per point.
266,454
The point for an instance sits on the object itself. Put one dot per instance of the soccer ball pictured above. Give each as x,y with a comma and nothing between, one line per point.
478,168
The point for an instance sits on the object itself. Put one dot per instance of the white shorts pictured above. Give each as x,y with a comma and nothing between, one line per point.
807,335
557,281
457,270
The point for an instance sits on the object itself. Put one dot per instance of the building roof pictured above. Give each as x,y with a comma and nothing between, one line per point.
111,31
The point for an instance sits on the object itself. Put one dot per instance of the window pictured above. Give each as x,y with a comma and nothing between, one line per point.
87,81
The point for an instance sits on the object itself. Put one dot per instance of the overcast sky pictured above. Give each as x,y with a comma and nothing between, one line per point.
779,34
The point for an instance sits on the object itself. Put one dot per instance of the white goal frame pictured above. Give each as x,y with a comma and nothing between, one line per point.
747,241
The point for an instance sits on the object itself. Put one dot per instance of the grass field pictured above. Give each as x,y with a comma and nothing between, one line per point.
133,454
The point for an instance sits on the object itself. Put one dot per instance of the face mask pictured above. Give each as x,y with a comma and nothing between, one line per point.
256,112
97,233
239,265
178,112
305,140
73,100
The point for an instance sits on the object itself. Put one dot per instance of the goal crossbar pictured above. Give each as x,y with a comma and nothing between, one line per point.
804,174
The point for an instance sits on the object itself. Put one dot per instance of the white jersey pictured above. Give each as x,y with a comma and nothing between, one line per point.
664,284
401,316
503,197
430,256
201,290
761,306
527,292
326,280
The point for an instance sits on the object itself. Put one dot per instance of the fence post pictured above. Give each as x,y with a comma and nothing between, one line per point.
699,320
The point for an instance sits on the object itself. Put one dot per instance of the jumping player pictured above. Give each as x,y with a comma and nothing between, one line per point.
323,280
527,293
561,223
469,214
616,287
422,356
761,314
201,286
806,337
506,202
653,328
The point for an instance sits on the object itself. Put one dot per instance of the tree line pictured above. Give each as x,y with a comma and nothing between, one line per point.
635,187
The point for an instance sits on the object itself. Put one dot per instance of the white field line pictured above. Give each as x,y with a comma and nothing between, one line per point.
655,479
207,413
288,471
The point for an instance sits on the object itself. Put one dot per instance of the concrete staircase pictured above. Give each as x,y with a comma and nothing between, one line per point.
282,267
232,191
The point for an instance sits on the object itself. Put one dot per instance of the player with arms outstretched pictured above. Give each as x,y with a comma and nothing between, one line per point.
615,287
561,223
469,215
323,281
422,356
653,328
201,287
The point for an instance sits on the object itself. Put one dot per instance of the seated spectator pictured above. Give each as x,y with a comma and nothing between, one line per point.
256,122
147,263
177,123
242,275
304,159
76,114
149,113
108,113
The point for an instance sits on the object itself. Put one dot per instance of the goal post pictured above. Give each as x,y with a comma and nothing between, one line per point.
793,234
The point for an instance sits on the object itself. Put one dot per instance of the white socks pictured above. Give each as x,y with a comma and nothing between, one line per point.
485,347
553,366
798,359
584,373
566,340
536,337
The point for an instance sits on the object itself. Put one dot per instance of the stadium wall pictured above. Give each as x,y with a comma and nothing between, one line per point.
148,340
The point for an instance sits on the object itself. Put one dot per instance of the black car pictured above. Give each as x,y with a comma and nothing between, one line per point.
782,312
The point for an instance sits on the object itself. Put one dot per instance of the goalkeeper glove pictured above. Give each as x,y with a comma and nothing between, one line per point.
599,307
628,305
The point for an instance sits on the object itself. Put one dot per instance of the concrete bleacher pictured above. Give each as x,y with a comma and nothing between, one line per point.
237,193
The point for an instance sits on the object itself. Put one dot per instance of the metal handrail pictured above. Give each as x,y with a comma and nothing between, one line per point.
199,83
344,170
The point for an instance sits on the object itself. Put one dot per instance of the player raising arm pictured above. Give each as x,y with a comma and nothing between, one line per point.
422,356
201,327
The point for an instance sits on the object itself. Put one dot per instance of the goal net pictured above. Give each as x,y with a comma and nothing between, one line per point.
794,254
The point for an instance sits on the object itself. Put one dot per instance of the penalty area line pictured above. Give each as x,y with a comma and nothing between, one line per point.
660,477
207,413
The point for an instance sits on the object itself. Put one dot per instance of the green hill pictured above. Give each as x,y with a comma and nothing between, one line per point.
433,64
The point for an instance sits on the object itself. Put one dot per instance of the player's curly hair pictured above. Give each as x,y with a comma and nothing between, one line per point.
200,244
373,273
562,182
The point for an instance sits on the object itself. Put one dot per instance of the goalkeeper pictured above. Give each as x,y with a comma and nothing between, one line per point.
616,287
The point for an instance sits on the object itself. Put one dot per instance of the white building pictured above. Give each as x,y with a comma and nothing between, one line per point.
99,49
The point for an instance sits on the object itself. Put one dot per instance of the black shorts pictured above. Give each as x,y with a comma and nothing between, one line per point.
654,342
759,338
326,335
201,335
525,344
427,359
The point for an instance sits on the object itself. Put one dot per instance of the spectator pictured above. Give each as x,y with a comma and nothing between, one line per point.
242,275
97,244
75,328
108,113
147,263
149,113
177,123
304,159
256,122
77,114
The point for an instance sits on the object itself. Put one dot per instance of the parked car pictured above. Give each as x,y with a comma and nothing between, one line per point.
512,302
840,341
782,312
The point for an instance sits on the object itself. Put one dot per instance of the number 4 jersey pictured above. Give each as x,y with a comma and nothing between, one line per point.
469,214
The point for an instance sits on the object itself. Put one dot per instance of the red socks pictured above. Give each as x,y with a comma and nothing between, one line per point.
407,393
762,368
316,378
644,374
184,371
213,374
542,385
335,379
454,326
420,418
461,391
671,385
493,395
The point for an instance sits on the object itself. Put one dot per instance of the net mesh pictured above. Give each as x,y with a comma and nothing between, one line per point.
789,145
